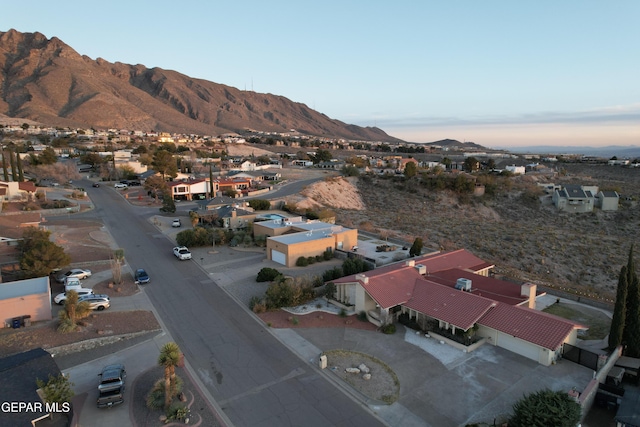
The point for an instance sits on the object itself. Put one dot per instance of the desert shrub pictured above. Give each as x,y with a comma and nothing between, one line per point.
155,398
330,290
177,412
343,313
311,260
267,274
334,273
362,316
311,214
186,238
302,262
260,241
288,293
327,255
55,204
247,240
319,258
389,329
260,204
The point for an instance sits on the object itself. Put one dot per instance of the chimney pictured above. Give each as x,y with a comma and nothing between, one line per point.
529,290
363,278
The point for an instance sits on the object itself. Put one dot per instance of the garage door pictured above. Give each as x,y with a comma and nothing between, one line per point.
278,257
519,346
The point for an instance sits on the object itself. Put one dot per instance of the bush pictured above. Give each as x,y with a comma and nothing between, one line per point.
362,316
327,255
260,205
311,260
389,329
287,293
267,274
302,262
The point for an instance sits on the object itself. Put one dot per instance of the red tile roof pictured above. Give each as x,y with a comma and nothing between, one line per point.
390,288
460,258
488,287
455,307
537,327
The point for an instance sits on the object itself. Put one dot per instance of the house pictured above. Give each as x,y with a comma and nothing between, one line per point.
233,217
11,191
18,376
452,292
573,198
292,238
30,297
191,189
607,200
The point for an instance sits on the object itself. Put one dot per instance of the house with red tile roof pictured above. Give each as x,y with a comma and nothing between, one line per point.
452,292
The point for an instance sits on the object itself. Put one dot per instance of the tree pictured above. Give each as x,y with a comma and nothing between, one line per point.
156,185
410,169
164,163
57,389
470,164
322,156
619,312
169,358
546,408
416,248
39,256
631,333
5,166
168,204
14,169
47,157
92,159
19,165
72,312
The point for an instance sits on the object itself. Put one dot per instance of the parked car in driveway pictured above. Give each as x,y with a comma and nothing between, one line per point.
120,185
176,223
181,252
96,301
72,283
62,297
141,276
78,273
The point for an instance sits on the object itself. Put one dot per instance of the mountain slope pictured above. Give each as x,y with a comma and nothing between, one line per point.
47,81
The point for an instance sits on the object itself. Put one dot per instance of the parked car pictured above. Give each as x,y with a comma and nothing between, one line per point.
78,273
141,276
176,223
72,283
182,252
120,185
111,386
96,301
62,297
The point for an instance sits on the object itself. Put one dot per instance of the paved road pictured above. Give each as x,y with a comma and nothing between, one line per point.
255,379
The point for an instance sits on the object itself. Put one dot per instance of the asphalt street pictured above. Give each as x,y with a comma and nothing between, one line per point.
254,379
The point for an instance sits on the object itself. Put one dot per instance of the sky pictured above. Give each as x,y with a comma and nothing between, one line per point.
502,74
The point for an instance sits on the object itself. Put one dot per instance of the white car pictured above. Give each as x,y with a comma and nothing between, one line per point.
79,273
61,298
120,185
176,223
96,301
181,252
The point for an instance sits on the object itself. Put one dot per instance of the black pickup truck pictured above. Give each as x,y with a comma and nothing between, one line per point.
111,386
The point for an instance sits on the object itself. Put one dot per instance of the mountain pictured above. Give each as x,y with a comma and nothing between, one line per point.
46,81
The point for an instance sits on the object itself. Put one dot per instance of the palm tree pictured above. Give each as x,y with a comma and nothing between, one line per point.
169,359
73,311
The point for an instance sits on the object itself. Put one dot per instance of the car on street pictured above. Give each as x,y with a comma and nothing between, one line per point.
176,223
181,252
96,185
141,276
96,301
62,297
78,273
120,185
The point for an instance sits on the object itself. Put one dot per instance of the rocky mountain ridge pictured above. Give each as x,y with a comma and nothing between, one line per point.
46,81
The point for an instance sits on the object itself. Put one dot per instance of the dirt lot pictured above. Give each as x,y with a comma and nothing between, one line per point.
517,229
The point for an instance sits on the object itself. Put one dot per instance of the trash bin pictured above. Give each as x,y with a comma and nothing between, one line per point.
15,322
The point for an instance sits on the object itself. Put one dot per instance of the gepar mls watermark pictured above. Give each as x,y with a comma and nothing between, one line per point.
36,407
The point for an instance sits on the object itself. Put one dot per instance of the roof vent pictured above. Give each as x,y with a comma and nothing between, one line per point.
463,284
422,269
363,278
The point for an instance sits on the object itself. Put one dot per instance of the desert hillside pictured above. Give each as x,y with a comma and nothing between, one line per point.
517,229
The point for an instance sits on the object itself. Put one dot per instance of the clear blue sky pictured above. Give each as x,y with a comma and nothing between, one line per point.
499,73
